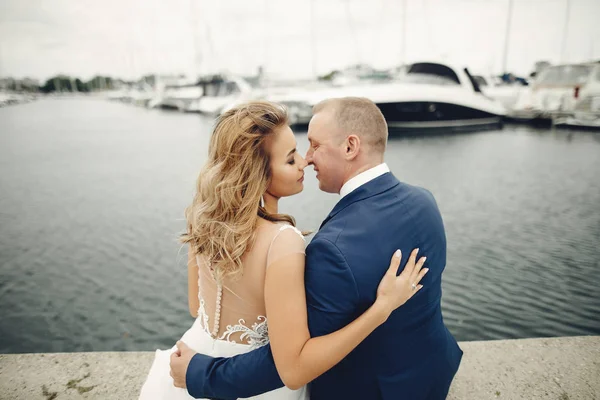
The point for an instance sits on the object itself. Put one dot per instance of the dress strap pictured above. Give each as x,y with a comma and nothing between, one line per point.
288,226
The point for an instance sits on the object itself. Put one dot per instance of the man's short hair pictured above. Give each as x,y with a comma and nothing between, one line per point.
359,116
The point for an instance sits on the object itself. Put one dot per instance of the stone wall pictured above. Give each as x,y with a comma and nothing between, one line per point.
554,368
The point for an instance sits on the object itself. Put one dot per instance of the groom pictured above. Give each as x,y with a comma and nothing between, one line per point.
412,355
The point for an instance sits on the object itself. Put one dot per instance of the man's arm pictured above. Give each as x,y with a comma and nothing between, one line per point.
245,375
332,296
331,291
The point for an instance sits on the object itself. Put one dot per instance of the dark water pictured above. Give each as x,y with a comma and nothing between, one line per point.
92,196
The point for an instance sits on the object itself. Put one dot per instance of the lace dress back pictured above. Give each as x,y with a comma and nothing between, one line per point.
242,325
235,310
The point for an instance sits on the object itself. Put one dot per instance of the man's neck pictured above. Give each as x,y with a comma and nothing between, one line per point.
361,169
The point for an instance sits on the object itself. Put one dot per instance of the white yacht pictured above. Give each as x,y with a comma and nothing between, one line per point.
179,97
423,95
505,93
220,93
7,99
586,113
172,92
581,120
560,91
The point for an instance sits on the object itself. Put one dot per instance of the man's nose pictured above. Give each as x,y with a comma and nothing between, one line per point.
309,157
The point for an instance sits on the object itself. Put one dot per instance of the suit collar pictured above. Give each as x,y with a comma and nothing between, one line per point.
378,185
363,178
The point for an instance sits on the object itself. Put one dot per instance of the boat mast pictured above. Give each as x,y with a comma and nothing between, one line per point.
506,37
265,60
197,54
353,33
403,41
312,40
565,29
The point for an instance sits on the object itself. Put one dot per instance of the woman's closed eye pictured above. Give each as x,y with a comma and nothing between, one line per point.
292,157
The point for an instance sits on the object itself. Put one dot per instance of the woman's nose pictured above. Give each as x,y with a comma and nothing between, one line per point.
303,163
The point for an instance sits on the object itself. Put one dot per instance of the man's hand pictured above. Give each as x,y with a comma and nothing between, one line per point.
180,360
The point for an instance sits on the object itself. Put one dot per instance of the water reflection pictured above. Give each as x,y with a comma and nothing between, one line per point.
92,203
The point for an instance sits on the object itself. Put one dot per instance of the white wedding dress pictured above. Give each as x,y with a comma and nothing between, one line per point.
238,324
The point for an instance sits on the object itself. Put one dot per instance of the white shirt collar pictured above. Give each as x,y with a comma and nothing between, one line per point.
363,178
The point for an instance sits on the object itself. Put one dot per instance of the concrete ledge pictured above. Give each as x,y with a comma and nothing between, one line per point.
554,368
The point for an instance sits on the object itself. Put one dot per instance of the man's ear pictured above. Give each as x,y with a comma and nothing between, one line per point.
352,147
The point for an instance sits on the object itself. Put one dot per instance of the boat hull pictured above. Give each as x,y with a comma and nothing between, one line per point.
425,115
581,120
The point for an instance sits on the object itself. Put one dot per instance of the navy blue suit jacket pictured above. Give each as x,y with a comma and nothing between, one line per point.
411,356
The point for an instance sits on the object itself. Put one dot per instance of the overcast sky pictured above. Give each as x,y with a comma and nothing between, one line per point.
291,38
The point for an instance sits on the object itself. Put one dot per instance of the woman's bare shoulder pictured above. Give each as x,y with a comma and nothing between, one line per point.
269,226
268,230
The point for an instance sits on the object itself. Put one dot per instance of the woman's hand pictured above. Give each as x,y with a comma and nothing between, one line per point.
393,291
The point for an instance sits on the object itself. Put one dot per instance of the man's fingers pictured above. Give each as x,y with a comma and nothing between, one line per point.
176,383
181,346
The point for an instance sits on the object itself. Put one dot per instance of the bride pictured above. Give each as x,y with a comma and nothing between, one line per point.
246,261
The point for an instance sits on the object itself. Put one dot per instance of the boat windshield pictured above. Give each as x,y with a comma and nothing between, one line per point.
432,73
218,87
480,80
565,75
428,78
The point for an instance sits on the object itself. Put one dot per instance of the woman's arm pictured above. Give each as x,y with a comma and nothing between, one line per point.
298,357
193,301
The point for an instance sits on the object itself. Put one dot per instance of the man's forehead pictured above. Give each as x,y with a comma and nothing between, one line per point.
316,127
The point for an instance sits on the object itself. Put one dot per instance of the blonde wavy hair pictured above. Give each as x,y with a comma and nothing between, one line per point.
223,216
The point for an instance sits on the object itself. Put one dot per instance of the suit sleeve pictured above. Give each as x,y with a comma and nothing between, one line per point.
332,297
245,375
331,291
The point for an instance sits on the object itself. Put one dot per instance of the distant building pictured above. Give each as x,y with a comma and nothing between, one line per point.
19,85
